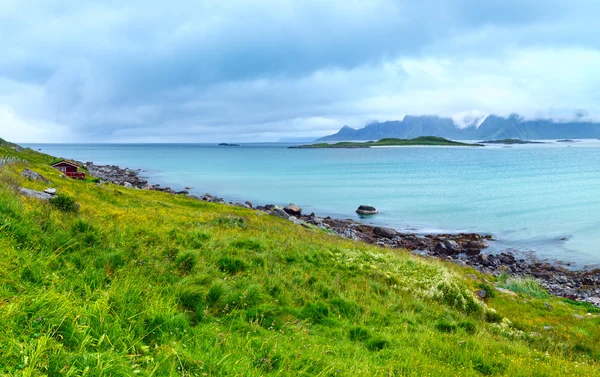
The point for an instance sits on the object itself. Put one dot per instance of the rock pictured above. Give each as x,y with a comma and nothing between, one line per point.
482,293
440,248
366,210
280,213
182,192
293,209
35,194
188,187
30,174
452,246
385,232
578,316
51,191
242,205
127,184
248,203
473,247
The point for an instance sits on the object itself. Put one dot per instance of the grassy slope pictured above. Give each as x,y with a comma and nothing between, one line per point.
145,283
422,140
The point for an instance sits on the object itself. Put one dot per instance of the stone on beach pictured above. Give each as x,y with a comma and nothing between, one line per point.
293,209
280,213
366,210
385,232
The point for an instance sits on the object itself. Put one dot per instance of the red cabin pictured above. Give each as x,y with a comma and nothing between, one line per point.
69,169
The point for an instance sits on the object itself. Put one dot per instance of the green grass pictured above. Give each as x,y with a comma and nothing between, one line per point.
422,140
151,284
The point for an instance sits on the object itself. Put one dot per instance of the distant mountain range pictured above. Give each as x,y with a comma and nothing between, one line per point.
492,128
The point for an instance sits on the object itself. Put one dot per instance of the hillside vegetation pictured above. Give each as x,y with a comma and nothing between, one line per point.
389,142
150,284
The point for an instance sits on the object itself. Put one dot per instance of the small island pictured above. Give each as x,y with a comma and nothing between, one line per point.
510,141
391,142
228,145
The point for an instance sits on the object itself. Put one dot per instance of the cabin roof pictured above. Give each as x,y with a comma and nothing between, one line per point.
65,162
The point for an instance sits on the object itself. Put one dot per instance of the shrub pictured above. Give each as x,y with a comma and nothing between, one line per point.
445,326
186,262
377,344
64,203
468,326
493,316
215,293
231,265
359,334
527,287
317,312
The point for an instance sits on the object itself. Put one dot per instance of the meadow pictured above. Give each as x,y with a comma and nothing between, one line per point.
144,283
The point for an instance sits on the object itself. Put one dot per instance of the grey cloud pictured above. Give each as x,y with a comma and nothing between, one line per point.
115,69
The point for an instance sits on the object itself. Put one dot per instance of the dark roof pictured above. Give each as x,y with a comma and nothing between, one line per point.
65,162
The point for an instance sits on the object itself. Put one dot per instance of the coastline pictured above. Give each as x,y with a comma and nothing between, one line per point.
466,249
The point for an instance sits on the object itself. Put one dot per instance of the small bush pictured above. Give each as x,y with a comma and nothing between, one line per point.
64,203
230,222
190,297
186,262
468,326
317,312
445,326
527,287
231,265
344,307
493,316
247,244
359,334
377,344
215,293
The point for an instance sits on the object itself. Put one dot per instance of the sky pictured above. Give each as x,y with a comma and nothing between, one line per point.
262,70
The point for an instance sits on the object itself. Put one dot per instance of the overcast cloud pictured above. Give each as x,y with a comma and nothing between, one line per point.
258,70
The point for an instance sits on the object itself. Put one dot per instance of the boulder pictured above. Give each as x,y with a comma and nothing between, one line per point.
474,247
280,213
241,205
452,246
127,184
188,187
51,191
366,210
35,194
385,232
293,210
30,174
248,203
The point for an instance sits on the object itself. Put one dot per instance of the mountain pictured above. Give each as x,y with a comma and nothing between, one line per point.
493,127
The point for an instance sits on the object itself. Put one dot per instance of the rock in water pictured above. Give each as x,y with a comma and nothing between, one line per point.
385,232
293,209
366,210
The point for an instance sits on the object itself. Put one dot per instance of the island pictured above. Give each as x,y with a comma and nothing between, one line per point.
391,142
228,145
511,141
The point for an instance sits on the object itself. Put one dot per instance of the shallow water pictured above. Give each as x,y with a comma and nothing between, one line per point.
542,197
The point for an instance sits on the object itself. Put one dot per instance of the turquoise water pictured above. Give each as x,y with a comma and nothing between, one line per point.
528,196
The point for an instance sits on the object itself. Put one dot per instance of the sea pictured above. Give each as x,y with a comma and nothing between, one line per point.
535,199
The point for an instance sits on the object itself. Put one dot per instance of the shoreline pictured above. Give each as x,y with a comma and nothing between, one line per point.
466,249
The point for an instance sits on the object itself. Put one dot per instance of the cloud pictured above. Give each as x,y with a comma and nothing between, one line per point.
260,70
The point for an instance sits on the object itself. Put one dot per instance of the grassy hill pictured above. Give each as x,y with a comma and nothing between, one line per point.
388,142
150,284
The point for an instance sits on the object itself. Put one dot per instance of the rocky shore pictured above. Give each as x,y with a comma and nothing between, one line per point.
467,249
